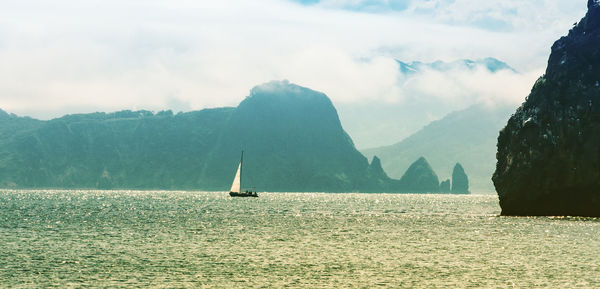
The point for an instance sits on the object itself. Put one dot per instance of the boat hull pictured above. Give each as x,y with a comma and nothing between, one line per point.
245,194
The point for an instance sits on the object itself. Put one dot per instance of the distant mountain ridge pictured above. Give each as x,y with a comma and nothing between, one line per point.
490,64
467,136
292,138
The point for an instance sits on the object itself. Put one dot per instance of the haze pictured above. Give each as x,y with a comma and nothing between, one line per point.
64,57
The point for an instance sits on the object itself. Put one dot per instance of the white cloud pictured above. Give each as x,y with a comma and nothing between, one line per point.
521,15
430,95
343,77
459,88
80,56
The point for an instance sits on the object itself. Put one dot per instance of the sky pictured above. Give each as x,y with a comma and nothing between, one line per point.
72,56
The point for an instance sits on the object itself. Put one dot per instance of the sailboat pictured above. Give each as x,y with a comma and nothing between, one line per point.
236,187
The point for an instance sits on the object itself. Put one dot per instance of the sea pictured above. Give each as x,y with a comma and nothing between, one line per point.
177,239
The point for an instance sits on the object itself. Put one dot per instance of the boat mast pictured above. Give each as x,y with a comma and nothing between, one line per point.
241,168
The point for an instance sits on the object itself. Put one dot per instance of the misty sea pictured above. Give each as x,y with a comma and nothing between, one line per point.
64,239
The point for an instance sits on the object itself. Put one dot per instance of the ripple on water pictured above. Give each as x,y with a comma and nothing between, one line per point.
198,239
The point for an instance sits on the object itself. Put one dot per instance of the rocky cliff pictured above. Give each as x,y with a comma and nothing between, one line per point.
294,141
549,152
460,181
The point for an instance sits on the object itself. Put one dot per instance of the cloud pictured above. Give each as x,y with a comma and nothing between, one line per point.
429,95
342,76
372,6
82,56
503,15
459,88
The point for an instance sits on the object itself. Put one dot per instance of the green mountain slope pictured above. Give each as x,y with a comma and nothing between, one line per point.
293,140
467,136
292,137
119,150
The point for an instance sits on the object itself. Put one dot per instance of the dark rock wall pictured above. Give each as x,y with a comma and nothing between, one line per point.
549,152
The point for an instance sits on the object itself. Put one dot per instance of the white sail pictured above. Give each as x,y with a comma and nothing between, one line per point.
236,187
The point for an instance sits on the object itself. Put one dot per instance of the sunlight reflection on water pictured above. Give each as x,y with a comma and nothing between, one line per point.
201,239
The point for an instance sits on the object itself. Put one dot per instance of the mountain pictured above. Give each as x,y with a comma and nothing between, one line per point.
424,92
490,64
549,153
294,142
292,137
125,149
468,136
10,124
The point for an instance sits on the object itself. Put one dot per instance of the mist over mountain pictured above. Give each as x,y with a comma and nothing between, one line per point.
429,91
467,136
490,64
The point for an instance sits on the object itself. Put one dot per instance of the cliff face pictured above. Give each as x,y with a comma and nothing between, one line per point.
294,141
549,152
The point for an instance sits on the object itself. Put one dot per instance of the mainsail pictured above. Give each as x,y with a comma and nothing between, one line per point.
236,187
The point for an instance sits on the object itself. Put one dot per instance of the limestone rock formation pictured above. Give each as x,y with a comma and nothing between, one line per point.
549,152
420,178
460,181
479,124
375,168
378,180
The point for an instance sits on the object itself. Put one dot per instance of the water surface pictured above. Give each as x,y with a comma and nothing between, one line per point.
200,239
